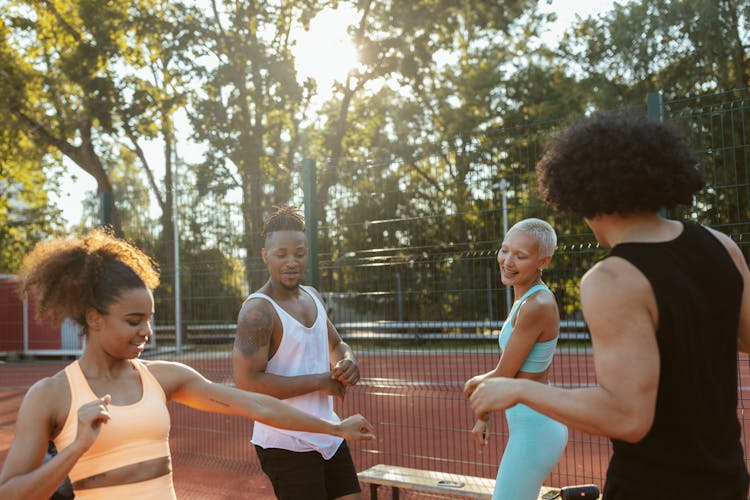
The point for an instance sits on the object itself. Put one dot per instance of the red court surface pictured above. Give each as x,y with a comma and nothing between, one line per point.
412,397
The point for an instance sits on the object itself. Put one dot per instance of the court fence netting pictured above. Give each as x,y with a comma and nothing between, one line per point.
404,253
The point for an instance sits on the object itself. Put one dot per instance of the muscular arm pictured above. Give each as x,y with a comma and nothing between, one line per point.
620,309
252,344
743,335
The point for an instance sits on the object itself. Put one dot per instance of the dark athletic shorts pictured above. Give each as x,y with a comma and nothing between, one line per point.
305,475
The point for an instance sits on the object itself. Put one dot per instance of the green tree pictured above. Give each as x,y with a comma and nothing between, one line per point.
681,47
249,109
26,216
59,66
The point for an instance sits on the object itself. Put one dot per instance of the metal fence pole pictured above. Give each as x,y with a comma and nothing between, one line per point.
105,211
25,323
399,298
177,277
654,106
503,185
655,110
309,182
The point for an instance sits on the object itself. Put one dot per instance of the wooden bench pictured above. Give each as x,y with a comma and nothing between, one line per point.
442,483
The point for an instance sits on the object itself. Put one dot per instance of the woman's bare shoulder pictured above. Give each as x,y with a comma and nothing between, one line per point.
54,385
50,397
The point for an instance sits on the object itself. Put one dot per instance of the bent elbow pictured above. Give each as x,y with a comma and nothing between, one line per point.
635,428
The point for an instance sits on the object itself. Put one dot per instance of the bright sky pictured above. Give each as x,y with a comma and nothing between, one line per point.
326,54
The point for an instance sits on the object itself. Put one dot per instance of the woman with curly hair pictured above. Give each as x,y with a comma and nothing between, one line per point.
667,308
106,412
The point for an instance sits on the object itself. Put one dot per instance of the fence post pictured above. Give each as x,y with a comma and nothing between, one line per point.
654,106
655,111
178,333
399,298
105,204
309,188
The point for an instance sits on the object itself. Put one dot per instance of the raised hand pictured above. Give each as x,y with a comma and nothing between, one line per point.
91,417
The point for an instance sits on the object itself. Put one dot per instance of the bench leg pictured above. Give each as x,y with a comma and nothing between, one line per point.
373,491
395,493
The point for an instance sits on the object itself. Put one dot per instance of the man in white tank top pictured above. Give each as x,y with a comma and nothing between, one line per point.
286,347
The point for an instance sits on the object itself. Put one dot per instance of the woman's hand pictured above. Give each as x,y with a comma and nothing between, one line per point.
356,428
471,384
91,417
481,433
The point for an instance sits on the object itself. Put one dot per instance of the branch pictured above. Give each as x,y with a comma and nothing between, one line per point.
46,137
149,172
217,19
66,26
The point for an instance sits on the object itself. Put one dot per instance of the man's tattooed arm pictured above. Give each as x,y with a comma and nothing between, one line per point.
254,328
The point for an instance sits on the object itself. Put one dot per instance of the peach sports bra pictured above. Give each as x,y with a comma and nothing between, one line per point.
135,433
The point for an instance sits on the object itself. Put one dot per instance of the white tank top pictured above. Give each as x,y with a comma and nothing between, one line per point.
302,351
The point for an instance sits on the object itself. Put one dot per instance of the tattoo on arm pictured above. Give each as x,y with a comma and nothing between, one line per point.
254,330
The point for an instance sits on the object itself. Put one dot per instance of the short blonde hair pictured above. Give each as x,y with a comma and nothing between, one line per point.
542,231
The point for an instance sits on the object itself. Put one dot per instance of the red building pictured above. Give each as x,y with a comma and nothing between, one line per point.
22,333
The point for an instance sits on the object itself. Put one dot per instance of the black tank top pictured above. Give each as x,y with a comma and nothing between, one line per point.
695,437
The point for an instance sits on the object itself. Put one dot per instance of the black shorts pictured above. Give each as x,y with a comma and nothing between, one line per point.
306,475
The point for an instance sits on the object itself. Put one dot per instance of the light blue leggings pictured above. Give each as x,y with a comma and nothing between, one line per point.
535,445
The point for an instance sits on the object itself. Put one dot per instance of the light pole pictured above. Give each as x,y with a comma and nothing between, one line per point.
503,186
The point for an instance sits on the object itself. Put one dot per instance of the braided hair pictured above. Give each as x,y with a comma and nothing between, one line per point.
284,218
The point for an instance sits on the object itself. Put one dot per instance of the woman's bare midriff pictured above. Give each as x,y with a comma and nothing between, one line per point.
133,473
541,377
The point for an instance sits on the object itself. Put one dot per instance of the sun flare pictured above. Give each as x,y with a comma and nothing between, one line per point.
326,52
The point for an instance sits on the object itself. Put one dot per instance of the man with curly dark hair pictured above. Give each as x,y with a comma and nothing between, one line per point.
668,308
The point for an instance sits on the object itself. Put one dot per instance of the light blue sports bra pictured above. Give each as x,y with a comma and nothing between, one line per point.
540,355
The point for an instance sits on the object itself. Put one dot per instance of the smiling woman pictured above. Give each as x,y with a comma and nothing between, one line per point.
107,412
326,52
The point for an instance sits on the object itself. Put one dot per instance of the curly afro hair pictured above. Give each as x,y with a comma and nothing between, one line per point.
618,163
70,276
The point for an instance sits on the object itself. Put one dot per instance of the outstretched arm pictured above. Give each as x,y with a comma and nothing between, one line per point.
626,360
185,385
252,344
